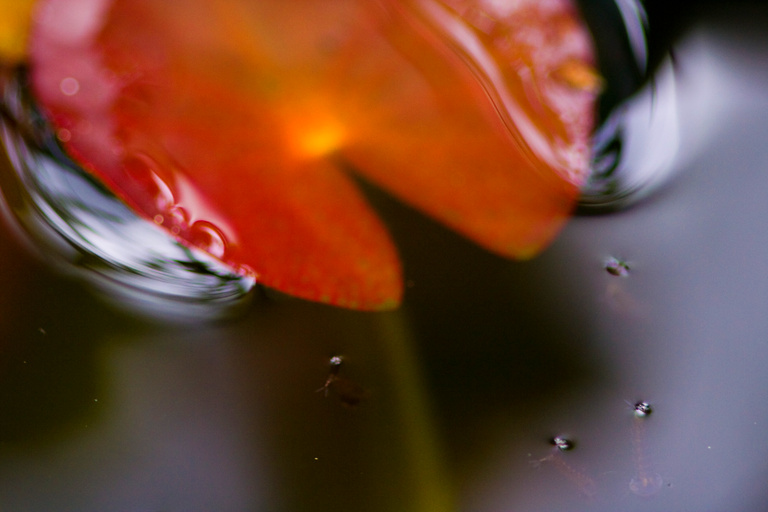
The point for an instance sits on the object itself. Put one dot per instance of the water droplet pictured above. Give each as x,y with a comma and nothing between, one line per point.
142,172
209,238
616,267
69,86
79,226
63,135
179,216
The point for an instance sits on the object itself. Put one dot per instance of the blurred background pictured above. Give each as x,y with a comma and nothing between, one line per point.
450,403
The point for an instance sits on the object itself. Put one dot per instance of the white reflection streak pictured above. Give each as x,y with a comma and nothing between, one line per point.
649,125
635,19
490,76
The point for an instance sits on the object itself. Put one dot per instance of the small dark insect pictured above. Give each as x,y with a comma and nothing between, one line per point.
333,373
349,392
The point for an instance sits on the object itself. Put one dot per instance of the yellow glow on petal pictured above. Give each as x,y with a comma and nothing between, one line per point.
14,28
580,75
321,140
312,127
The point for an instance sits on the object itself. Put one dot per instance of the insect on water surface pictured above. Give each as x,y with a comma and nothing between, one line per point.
616,293
577,477
349,392
333,373
646,482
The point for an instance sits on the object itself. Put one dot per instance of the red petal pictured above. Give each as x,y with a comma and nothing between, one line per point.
168,111
221,120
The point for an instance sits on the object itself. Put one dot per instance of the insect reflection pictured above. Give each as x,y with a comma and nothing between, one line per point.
585,483
618,298
646,482
348,391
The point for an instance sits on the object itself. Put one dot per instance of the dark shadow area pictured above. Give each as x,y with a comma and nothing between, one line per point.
496,338
51,331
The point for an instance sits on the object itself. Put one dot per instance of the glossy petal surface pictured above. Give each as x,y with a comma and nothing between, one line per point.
233,124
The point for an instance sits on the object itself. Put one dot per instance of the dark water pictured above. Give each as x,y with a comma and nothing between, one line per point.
462,392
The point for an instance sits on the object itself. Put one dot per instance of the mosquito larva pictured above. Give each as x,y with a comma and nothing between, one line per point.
646,482
348,391
333,373
585,483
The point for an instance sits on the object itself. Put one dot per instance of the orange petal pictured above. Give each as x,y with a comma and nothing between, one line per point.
222,120
201,150
479,130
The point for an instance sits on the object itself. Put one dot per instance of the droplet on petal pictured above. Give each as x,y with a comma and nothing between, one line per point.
69,86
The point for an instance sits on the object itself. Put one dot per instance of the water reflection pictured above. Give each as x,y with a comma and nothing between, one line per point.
617,295
635,145
579,478
333,373
69,218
